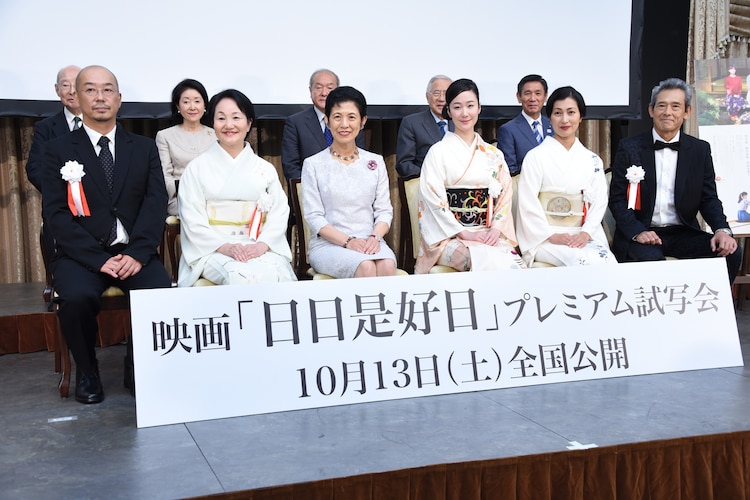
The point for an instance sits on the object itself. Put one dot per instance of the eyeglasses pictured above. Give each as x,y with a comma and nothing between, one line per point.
437,93
65,86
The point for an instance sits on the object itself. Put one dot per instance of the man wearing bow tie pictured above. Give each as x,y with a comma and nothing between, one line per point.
656,217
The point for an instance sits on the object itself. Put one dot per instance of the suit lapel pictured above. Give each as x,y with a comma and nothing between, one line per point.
547,126
123,152
526,131
431,128
683,168
313,126
85,153
649,167
60,124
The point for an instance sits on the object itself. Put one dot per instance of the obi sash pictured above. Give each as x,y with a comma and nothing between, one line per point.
469,205
563,209
234,217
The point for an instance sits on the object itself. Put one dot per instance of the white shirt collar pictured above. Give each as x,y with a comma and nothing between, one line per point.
657,137
69,117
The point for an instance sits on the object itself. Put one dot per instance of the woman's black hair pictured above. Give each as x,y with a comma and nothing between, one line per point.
187,84
455,88
563,93
346,94
239,98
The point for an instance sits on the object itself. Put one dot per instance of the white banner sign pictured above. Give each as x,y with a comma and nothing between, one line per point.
214,352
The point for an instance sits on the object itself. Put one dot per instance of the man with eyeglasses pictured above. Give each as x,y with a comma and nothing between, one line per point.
69,118
419,131
527,130
305,133
105,201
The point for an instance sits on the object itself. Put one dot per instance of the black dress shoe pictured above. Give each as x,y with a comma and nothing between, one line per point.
89,390
129,378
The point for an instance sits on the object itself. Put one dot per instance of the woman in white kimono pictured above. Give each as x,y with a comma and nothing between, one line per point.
562,193
465,195
233,211
345,197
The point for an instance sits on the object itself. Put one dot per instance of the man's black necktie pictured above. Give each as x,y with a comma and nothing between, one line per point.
674,146
108,165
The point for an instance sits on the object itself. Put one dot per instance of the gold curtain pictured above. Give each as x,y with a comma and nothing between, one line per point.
20,210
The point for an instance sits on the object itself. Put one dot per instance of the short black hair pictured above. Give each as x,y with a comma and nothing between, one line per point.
346,94
455,88
186,84
242,101
564,93
532,78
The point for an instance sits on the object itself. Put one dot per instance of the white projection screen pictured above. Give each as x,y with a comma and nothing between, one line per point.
388,49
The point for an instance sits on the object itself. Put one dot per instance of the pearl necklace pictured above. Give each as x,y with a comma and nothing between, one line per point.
354,155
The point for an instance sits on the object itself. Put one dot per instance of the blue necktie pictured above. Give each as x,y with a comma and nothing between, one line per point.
442,125
329,136
108,165
537,132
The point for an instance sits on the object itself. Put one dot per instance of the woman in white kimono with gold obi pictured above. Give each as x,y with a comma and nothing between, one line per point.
465,195
233,210
562,193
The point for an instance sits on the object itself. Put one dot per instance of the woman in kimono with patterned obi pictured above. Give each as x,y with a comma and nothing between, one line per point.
233,210
465,195
562,193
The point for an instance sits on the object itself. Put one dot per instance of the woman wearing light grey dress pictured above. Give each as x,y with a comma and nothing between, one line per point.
189,137
346,198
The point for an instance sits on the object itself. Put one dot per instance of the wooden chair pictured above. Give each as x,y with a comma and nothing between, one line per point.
303,270
408,192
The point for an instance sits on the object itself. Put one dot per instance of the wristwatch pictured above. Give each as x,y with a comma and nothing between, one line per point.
725,230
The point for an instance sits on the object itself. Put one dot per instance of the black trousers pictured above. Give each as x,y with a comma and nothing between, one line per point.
79,293
682,242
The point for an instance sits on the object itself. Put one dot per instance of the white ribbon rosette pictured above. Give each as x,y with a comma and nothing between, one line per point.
634,175
73,172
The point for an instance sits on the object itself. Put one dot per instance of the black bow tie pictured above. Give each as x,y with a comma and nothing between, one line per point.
675,146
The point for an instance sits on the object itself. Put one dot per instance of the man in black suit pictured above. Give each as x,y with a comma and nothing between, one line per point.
660,181
106,208
69,118
419,131
305,132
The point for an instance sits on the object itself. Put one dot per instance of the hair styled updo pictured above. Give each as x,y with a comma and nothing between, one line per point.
454,89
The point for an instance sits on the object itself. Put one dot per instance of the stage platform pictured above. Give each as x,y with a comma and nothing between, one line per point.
53,448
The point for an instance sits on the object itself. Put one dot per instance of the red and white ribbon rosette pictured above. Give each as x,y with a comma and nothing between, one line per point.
634,175
73,172
263,206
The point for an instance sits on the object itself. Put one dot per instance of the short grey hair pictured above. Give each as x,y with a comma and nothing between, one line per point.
672,84
434,79
323,70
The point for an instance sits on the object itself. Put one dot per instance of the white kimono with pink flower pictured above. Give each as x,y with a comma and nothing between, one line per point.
232,200
453,164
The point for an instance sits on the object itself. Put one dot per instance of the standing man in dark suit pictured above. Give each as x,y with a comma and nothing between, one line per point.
305,133
418,132
105,201
660,181
527,130
56,125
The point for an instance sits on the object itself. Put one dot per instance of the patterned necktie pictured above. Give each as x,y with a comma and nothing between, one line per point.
76,123
329,136
442,125
537,132
108,165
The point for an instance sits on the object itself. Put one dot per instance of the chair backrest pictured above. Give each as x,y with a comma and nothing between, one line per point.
303,240
408,192
608,222
174,248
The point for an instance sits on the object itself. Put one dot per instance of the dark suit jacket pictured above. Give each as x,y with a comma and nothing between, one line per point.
515,138
416,135
44,130
694,191
139,198
302,139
